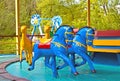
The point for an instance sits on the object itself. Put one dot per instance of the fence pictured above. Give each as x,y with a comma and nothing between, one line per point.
8,44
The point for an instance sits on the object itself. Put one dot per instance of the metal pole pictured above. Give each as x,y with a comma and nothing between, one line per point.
88,14
17,25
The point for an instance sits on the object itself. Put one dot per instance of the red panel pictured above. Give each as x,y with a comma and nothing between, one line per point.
44,46
107,33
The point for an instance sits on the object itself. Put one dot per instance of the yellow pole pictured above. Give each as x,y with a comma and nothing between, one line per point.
88,14
17,25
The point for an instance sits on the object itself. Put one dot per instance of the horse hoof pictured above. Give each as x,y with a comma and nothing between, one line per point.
76,65
93,71
58,68
76,73
29,69
30,64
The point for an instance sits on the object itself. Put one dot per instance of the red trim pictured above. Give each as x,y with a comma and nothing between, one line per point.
106,33
44,46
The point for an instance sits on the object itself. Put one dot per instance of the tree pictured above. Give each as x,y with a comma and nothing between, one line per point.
104,17
103,13
7,17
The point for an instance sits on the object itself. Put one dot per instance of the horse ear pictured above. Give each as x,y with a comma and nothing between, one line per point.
93,29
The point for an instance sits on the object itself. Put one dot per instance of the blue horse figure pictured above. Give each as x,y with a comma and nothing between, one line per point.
82,38
58,47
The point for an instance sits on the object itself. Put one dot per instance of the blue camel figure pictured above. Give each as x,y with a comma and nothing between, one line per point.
58,47
83,37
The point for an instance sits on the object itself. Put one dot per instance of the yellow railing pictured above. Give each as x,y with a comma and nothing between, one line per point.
9,45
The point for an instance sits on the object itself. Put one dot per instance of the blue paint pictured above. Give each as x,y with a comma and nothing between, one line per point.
82,38
58,48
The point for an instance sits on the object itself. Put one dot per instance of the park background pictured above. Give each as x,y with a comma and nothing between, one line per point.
104,16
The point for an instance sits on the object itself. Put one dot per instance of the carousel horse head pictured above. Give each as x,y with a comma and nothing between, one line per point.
23,28
47,29
65,32
87,35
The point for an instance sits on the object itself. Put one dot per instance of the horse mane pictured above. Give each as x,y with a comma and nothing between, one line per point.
86,27
63,26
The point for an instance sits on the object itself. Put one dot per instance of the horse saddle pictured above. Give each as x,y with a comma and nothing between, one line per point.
44,45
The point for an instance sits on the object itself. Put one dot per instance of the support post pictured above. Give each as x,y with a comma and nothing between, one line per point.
17,26
88,14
